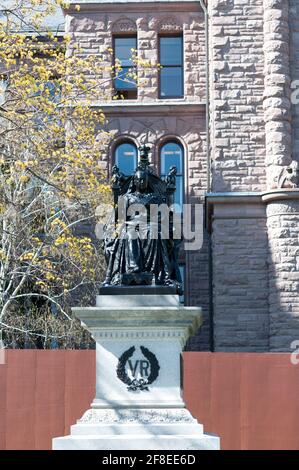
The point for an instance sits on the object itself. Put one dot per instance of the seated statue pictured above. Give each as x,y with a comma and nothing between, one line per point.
134,255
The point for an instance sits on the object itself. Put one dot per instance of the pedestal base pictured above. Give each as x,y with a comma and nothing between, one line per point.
138,403
137,429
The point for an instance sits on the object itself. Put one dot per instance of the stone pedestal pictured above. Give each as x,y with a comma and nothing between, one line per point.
138,403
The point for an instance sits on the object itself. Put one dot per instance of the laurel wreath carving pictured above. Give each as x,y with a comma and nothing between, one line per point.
135,385
153,362
120,370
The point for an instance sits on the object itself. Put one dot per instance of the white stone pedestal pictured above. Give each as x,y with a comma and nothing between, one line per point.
138,403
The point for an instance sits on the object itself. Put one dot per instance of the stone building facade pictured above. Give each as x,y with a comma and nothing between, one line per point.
238,129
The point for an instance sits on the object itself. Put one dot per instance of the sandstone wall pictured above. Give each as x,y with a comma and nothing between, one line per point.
240,278
93,31
294,72
283,229
254,57
277,105
156,127
237,88
254,131
151,120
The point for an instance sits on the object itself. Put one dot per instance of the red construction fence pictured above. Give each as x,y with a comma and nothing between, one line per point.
250,400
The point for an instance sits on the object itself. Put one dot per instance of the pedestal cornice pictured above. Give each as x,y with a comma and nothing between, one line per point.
139,323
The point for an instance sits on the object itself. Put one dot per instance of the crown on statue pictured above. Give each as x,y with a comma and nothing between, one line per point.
143,158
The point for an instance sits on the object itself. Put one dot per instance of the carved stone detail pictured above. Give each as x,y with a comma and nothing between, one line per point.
139,416
137,334
124,25
118,335
289,177
169,24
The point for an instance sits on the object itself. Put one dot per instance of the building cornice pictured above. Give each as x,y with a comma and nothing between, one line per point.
133,6
150,109
280,195
252,197
231,204
233,198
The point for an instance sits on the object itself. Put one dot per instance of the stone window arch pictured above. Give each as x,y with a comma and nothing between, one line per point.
169,24
124,26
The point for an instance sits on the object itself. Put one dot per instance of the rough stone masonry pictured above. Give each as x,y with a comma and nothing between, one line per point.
245,277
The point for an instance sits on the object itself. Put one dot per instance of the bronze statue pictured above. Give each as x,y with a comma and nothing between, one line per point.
134,256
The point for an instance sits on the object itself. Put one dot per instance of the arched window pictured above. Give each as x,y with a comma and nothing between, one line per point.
125,157
172,154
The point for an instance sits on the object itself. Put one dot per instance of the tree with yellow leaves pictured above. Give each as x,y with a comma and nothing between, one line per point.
51,180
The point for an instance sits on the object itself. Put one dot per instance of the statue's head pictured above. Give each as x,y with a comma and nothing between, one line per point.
173,170
141,180
115,170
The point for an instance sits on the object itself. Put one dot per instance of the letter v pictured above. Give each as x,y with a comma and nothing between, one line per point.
133,369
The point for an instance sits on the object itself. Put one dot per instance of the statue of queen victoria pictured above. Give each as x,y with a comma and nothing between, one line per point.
138,250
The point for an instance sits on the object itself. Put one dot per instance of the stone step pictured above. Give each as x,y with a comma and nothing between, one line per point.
136,442
136,429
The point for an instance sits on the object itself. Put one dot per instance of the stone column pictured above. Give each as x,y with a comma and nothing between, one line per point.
277,105
283,261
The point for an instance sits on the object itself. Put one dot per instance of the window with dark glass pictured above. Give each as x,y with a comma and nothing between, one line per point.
171,61
124,82
172,155
125,158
